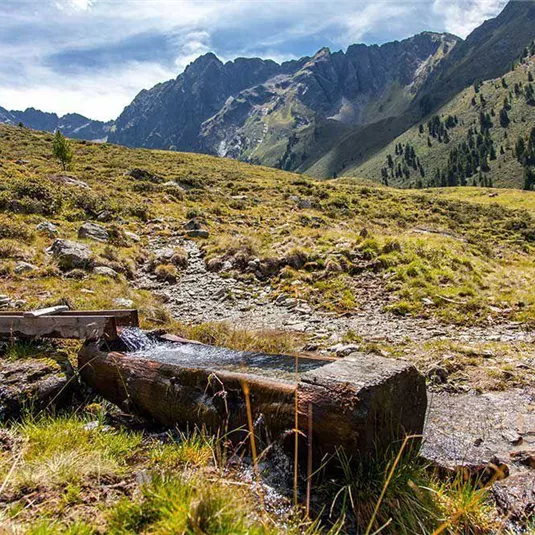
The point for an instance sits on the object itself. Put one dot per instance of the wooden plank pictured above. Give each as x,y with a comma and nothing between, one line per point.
45,311
124,318
63,326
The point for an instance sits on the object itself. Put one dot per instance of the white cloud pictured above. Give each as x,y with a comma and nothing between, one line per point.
461,18
38,31
101,95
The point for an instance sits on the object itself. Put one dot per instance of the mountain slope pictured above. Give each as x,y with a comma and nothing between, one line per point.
476,131
487,52
72,125
280,115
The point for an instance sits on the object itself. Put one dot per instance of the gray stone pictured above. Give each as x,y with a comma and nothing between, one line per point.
92,231
123,303
48,228
132,236
32,382
71,254
24,267
106,272
470,434
143,174
304,204
515,496
343,350
201,233
69,181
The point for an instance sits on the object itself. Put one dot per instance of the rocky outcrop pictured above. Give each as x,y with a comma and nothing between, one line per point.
70,254
36,384
93,231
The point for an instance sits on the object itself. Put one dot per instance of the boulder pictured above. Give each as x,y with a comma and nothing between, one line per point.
32,383
201,233
93,231
71,254
515,496
24,267
194,229
106,272
69,181
47,228
132,236
479,435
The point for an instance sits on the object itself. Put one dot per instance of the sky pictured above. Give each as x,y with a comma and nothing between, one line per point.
93,56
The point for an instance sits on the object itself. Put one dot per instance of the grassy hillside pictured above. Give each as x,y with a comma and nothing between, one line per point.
461,254
502,107
432,256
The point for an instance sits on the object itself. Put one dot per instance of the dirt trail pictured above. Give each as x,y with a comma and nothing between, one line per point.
202,296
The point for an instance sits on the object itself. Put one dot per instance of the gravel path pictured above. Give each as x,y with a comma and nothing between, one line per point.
202,296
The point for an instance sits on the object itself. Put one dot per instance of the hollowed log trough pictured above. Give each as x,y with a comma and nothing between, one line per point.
362,404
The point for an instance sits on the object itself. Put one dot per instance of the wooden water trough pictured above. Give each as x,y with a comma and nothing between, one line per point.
60,322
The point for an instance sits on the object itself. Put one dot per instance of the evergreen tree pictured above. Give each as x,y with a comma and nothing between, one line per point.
61,149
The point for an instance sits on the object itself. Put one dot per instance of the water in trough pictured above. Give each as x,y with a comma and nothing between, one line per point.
193,355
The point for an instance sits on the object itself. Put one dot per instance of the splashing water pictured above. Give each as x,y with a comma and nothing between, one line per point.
135,339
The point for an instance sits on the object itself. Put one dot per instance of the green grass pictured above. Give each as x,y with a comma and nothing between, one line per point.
457,255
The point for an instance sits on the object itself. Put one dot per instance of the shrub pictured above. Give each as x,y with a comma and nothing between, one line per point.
166,273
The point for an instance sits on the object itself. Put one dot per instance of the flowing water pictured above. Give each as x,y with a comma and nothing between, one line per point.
191,355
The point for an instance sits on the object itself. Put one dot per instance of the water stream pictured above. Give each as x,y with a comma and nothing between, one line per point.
190,355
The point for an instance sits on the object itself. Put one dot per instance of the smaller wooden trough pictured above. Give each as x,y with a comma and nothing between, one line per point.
60,322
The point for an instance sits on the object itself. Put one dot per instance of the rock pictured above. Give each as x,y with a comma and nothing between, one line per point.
524,457
304,204
24,267
47,228
470,434
132,236
515,497
194,229
437,374
198,233
22,162
105,216
69,181
106,272
343,350
34,383
92,231
71,254
143,174
164,255
123,303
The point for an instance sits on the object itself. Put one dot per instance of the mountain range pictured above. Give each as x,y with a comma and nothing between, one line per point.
327,115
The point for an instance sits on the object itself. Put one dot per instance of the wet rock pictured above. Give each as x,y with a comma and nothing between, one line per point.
71,254
31,383
515,497
106,272
93,231
24,267
47,228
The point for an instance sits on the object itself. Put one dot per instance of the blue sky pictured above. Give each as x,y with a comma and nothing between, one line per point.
94,56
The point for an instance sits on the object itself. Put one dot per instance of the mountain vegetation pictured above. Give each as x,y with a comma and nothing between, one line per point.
482,137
